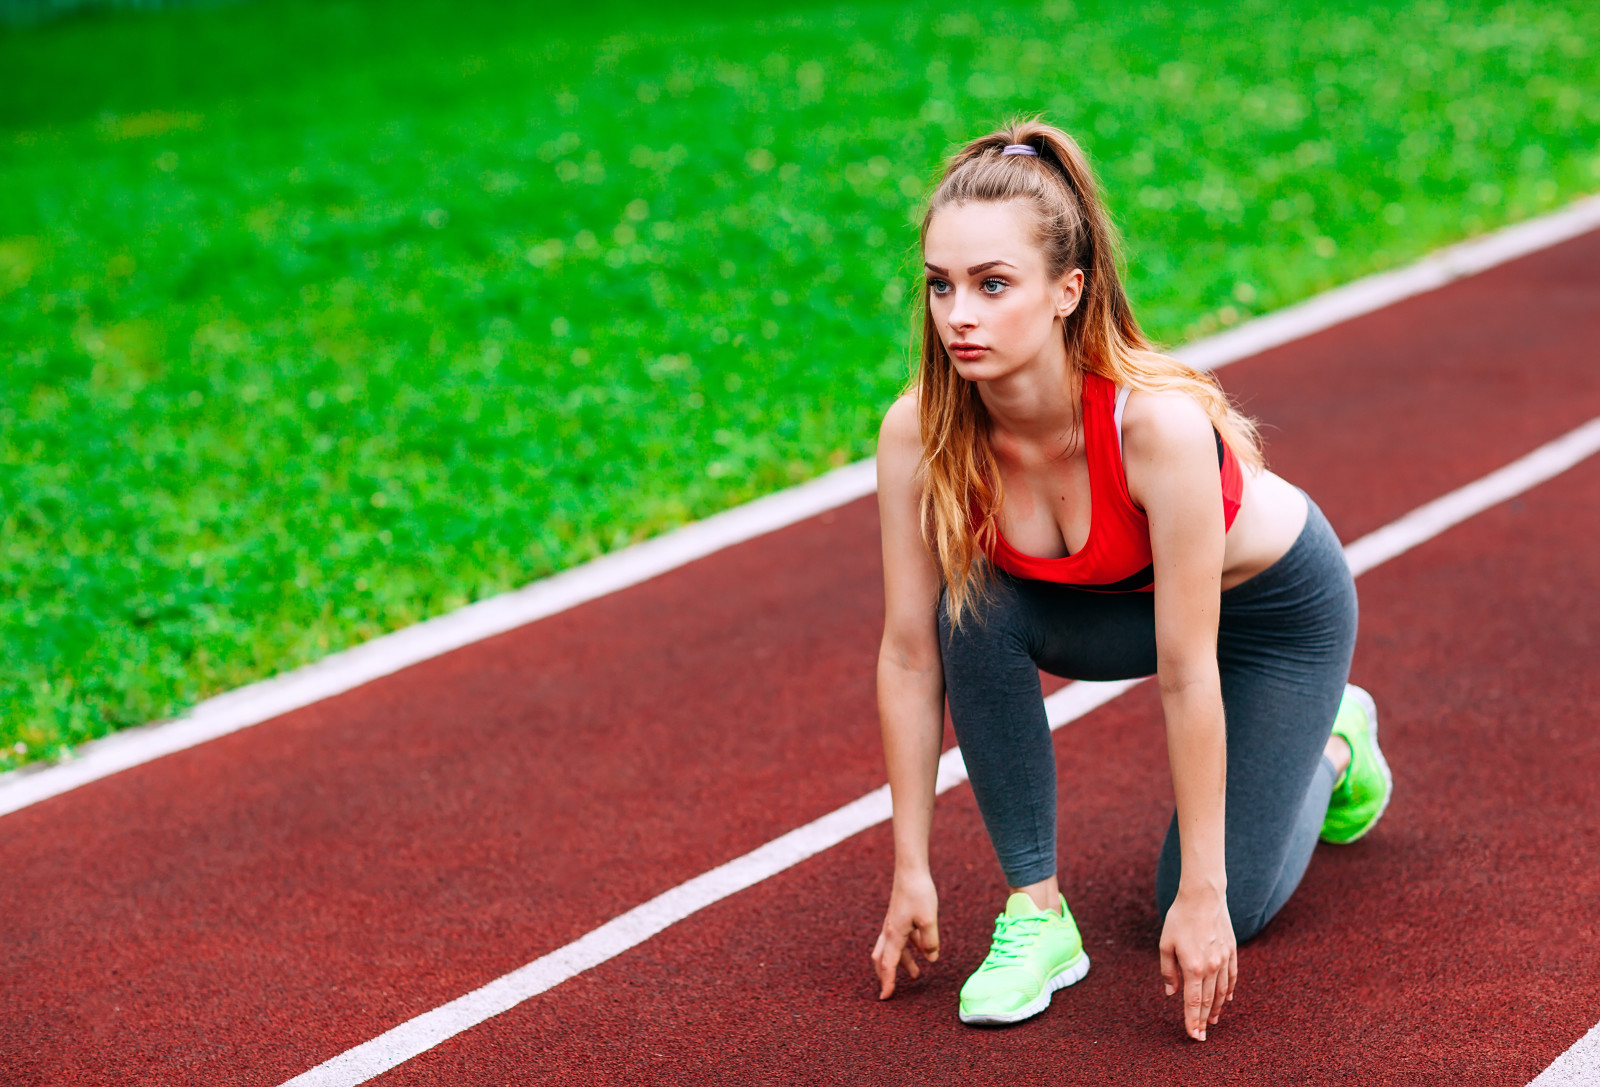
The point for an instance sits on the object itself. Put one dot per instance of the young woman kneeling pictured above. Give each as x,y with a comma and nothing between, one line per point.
1055,494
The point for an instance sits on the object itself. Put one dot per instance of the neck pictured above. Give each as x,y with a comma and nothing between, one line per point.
1035,404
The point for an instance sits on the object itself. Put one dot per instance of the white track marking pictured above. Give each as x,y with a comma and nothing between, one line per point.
1386,288
611,939
370,1059
1426,522
351,668
1577,1067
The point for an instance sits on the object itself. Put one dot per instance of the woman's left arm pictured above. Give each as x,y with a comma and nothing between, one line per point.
1170,459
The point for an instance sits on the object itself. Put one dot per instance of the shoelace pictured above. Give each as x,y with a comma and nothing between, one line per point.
1012,935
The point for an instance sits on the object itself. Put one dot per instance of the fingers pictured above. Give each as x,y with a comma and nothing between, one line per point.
1199,958
893,951
1225,983
1205,990
1194,1006
885,956
1169,969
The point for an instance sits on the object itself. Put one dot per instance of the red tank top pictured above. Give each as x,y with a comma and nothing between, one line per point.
1116,557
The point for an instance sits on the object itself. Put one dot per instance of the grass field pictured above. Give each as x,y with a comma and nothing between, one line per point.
323,318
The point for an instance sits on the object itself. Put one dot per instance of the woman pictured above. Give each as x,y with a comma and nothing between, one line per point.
1054,494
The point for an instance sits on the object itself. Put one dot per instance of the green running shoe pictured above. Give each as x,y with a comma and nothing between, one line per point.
1362,793
1034,953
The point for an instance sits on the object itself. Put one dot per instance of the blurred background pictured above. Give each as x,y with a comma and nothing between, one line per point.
322,318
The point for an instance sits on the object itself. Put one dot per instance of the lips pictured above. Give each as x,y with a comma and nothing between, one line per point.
963,350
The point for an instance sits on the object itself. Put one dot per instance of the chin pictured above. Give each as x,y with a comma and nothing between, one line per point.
985,369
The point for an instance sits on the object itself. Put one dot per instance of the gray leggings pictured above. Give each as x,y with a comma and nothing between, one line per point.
1284,642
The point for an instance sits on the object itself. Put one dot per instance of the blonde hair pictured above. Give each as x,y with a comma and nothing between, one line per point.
962,495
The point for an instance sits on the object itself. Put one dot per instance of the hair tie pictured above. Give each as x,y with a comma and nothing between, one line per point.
1019,149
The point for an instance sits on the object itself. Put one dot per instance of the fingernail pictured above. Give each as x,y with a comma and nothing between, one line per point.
1202,1035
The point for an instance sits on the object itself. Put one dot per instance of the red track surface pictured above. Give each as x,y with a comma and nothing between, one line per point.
241,911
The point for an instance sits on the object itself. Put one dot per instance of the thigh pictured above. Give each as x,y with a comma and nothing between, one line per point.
1283,652
1278,727
1284,644
992,686
1077,634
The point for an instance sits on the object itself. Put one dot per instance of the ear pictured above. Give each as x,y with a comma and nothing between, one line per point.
1069,292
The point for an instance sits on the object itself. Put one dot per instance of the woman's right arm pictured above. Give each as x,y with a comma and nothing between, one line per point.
910,698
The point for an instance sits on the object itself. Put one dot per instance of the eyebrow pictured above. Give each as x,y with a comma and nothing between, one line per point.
974,270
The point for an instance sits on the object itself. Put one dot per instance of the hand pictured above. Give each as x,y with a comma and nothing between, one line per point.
912,920
1199,956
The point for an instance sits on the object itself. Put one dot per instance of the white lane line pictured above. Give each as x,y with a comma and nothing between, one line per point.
1426,522
351,668
1577,1067
371,1059
1386,288
393,1047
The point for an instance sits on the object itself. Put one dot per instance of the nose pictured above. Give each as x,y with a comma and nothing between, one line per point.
961,317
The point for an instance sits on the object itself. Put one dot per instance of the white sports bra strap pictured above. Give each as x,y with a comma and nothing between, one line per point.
1122,402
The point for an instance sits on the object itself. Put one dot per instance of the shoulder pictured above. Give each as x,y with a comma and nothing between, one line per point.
1157,426
900,436
1169,456
900,484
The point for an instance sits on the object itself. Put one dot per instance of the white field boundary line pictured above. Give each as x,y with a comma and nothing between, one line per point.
431,638
390,653
371,1059
1577,1067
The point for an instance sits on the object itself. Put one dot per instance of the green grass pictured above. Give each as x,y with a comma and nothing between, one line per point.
323,318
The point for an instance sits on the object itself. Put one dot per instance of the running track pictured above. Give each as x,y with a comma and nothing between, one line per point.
241,911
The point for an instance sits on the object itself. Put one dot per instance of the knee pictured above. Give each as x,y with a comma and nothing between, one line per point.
1168,869
1251,904
1249,910
1248,918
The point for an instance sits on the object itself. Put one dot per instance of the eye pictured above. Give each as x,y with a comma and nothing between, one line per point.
938,286
994,285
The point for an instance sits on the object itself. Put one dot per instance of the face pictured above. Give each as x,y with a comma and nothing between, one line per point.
992,299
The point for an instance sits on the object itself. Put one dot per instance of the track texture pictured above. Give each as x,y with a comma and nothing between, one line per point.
1458,943
241,911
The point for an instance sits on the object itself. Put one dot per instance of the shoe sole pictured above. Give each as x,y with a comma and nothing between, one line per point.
1070,974
1365,699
